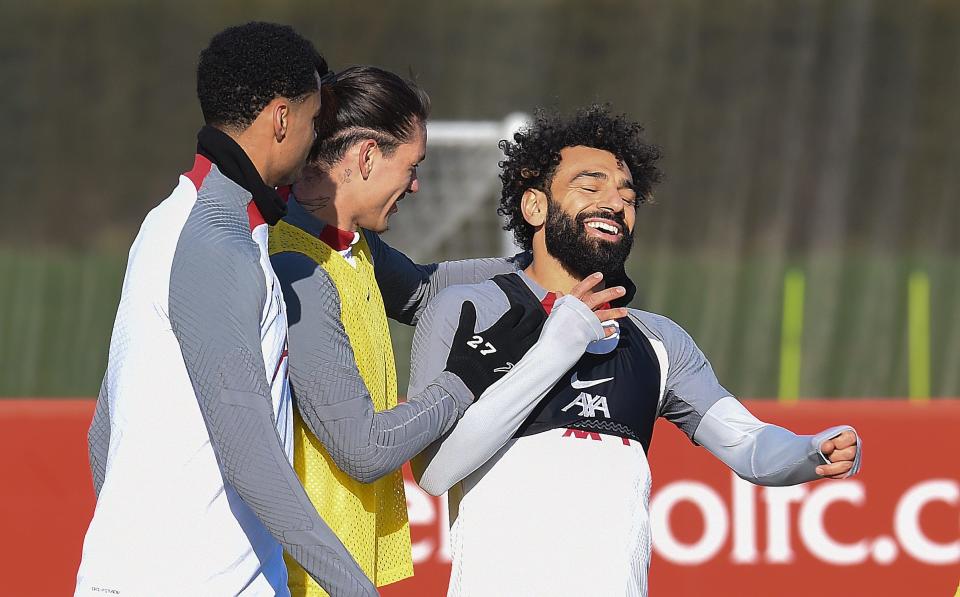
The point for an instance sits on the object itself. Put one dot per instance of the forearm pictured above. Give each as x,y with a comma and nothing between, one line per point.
367,445
762,453
490,423
244,438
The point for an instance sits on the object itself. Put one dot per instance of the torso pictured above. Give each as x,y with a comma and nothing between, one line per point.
194,533
570,491
615,392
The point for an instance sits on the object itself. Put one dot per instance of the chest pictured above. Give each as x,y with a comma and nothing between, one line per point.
615,393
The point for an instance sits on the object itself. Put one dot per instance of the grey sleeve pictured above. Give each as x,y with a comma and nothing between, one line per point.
491,422
758,452
407,287
762,453
332,397
98,438
217,295
691,387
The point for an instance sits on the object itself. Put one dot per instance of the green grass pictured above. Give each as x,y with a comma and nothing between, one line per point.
57,310
56,313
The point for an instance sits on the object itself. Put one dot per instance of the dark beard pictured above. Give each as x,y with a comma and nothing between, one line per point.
579,254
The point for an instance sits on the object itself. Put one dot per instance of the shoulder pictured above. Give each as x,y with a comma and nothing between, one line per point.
659,326
677,343
486,296
218,241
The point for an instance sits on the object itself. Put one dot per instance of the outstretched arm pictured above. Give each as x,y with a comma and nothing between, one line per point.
408,287
758,452
766,454
217,295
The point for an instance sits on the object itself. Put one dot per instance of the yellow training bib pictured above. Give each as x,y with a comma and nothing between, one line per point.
370,519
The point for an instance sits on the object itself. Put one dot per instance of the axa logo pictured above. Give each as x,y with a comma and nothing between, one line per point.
590,405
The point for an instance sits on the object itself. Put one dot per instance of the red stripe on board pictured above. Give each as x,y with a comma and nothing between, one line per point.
201,167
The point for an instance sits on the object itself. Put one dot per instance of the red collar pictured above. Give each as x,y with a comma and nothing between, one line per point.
548,301
551,298
336,239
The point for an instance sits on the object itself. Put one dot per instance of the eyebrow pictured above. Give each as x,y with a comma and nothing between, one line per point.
626,184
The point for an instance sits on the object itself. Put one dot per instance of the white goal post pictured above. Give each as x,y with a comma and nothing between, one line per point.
453,216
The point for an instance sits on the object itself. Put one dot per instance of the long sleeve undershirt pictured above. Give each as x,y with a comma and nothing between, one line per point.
329,392
692,399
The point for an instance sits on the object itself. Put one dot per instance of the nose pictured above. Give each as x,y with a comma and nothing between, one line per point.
611,201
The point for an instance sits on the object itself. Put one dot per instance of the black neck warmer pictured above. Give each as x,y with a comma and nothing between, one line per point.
219,148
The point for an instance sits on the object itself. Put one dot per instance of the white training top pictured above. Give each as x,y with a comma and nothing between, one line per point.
166,520
562,511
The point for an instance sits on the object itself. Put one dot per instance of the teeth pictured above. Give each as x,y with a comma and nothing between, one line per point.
604,227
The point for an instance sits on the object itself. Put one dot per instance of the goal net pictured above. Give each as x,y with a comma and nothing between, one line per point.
454,215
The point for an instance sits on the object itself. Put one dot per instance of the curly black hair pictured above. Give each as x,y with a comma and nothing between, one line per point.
245,67
533,157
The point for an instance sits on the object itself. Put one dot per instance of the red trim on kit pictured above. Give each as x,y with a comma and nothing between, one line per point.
201,167
284,192
551,298
336,239
283,355
580,434
253,214
548,301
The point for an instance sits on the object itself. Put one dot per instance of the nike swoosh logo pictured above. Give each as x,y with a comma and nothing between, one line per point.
579,385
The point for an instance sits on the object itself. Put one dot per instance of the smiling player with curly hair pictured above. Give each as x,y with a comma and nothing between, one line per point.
533,159
548,475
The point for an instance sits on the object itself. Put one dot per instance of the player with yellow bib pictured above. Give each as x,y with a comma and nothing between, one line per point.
351,436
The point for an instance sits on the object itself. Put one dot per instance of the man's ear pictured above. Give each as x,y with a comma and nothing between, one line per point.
369,152
533,206
280,111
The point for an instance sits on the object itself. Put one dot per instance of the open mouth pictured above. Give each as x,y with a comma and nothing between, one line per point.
396,205
602,229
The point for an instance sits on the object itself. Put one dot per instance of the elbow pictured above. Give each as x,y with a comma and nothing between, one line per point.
427,482
369,476
433,487
765,480
362,467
